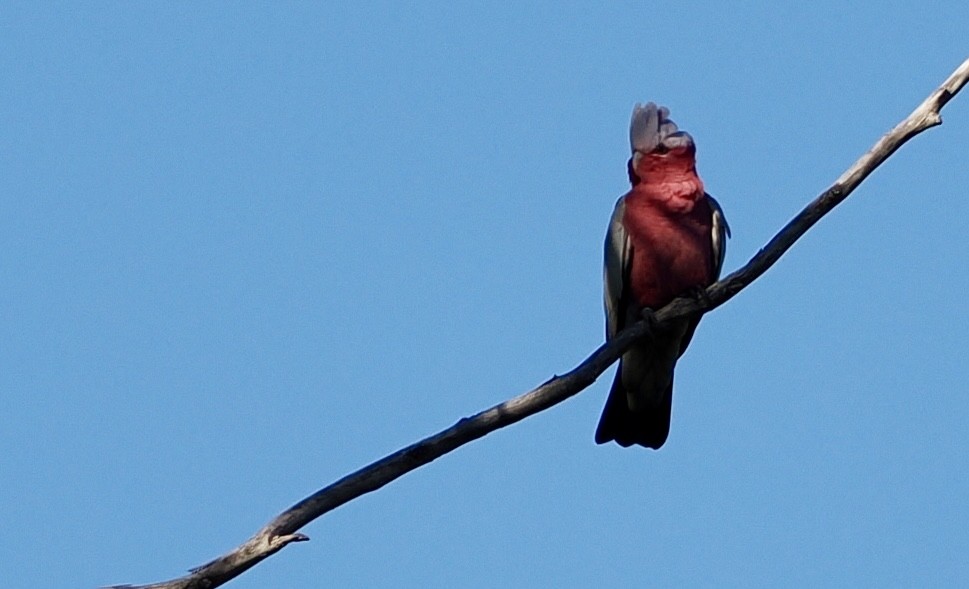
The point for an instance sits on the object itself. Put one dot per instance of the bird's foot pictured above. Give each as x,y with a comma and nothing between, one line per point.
699,293
655,327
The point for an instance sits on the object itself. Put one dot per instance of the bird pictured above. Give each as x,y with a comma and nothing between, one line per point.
666,238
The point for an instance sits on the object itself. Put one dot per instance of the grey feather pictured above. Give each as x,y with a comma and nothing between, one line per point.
651,126
615,269
719,235
644,128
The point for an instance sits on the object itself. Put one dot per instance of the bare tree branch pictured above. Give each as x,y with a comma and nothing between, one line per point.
283,530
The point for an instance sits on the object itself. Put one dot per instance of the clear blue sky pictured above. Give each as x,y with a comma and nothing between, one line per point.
247,249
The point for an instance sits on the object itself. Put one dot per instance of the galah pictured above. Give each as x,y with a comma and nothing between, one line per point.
666,238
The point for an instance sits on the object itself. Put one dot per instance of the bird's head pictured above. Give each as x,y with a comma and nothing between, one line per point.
661,152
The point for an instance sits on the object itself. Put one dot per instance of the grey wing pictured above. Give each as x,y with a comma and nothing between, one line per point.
616,270
718,241
720,233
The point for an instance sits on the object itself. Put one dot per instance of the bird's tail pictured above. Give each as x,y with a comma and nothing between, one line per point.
648,426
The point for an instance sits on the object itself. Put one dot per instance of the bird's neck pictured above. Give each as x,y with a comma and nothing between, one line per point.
675,190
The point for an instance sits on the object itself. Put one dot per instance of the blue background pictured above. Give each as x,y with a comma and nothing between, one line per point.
248,248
